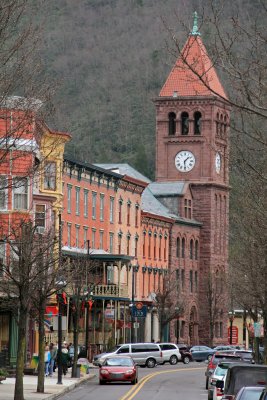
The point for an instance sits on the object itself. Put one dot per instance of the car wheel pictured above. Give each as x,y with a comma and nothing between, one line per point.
133,382
186,360
173,360
209,357
150,363
101,382
207,383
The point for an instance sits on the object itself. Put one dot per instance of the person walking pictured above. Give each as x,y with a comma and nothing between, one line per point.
65,357
53,357
47,358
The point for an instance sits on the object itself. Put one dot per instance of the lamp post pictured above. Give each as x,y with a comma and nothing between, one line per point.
177,324
87,304
60,284
132,305
231,319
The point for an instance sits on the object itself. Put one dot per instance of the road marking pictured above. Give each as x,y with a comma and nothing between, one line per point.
134,390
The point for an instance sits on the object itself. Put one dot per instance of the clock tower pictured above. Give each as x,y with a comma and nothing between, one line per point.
192,146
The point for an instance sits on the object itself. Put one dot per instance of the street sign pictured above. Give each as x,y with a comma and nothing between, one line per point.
257,329
136,324
139,312
234,334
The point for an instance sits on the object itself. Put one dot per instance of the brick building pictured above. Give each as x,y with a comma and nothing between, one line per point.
192,149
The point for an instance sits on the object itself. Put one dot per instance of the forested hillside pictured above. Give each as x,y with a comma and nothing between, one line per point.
110,59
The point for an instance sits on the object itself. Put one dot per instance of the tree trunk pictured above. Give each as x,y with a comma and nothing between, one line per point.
22,325
41,365
76,330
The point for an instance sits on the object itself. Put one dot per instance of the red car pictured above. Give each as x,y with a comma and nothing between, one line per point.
118,368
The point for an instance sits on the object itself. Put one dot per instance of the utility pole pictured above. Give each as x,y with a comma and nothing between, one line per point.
87,304
132,316
59,376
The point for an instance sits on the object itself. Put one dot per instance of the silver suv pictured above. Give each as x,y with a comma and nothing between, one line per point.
170,352
145,354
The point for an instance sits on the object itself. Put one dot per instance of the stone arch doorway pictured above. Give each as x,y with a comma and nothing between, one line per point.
193,326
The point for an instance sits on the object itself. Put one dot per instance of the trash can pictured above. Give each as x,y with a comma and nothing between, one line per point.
78,371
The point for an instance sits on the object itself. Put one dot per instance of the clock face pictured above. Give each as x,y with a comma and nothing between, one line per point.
185,161
218,163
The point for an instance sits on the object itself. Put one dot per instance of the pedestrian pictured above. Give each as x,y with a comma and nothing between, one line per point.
47,358
65,357
53,355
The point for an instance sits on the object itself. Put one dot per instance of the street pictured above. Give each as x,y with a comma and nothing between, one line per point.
179,382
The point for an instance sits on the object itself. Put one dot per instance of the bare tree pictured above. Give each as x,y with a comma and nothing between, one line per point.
169,302
29,277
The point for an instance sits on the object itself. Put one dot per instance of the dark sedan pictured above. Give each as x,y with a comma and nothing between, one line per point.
117,369
186,355
201,353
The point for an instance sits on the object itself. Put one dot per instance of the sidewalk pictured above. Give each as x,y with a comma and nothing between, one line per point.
52,389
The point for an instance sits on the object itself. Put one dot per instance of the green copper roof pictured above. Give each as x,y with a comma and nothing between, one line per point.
195,31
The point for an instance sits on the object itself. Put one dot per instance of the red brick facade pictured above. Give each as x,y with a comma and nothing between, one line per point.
197,126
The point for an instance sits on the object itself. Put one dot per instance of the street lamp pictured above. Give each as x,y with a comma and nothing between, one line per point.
231,319
177,309
60,284
134,268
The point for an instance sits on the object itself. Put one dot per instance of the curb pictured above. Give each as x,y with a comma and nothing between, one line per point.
71,387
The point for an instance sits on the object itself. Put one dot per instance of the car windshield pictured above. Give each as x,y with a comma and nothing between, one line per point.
221,370
113,349
119,362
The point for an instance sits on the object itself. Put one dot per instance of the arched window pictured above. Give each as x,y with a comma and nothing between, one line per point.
197,123
217,124
183,248
185,123
225,124
221,125
191,249
172,118
196,250
178,241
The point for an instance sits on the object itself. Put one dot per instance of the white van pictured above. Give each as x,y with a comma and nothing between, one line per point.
145,354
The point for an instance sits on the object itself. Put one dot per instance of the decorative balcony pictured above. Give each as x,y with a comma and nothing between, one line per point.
111,291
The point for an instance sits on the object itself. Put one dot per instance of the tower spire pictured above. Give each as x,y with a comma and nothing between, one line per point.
195,31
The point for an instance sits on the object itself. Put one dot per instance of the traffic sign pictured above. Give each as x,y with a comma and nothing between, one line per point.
139,312
234,334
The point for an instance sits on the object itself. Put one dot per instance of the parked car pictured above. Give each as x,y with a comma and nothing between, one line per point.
201,353
144,354
239,375
251,393
170,353
223,348
216,359
185,353
246,355
217,375
118,368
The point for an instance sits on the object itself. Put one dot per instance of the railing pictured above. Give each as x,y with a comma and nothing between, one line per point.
111,291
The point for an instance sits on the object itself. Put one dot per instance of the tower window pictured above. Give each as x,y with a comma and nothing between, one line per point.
197,123
183,248
185,123
191,249
178,247
172,117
